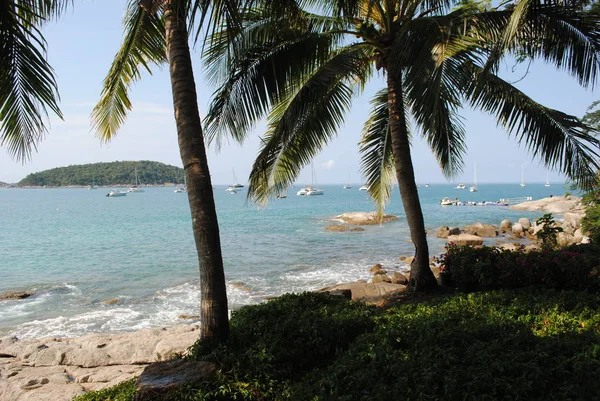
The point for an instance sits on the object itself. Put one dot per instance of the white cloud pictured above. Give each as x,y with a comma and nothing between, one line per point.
329,164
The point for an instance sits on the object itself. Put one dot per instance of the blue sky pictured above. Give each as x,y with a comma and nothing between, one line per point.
83,43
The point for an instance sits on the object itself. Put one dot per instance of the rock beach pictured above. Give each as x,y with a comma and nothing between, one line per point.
58,369
364,218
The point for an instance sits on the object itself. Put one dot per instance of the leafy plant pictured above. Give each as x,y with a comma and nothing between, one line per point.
549,231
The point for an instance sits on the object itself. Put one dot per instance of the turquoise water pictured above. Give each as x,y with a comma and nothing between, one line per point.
77,248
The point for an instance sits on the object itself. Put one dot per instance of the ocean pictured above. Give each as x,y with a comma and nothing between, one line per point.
78,249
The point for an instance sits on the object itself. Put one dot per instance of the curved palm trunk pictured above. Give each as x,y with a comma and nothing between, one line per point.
214,312
421,276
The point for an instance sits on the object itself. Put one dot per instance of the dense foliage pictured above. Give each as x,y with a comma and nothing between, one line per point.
468,268
106,174
528,344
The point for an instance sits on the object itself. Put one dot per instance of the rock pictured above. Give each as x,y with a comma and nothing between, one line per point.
517,229
482,230
505,225
188,317
110,301
367,292
585,240
341,228
11,295
159,378
341,293
381,271
364,218
509,247
565,239
555,205
375,268
578,236
381,278
409,260
445,231
402,258
465,239
399,278
525,223
573,219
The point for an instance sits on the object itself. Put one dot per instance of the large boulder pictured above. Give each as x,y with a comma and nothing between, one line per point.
465,239
482,230
161,377
578,236
565,239
364,218
381,278
12,295
445,231
573,219
367,292
517,229
556,204
399,278
505,225
525,223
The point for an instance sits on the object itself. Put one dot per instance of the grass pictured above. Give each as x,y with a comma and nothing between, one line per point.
525,344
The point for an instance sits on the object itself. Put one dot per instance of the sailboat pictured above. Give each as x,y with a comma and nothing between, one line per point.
522,181
474,187
312,190
236,185
93,186
180,190
547,182
135,188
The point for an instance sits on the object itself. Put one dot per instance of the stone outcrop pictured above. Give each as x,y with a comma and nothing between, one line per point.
517,229
58,369
364,218
342,228
505,225
555,205
367,292
399,278
11,295
445,231
465,239
482,230
525,223
161,377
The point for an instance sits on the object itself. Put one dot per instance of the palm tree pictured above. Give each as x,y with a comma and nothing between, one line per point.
28,88
157,33
302,67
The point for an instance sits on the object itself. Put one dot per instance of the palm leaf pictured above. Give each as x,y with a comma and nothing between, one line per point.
377,161
305,119
28,87
143,45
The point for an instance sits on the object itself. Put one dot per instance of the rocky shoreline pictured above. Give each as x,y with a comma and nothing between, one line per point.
58,369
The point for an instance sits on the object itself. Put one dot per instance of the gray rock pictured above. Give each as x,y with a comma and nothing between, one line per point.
525,223
367,292
12,295
161,377
517,229
482,230
364,218
399,278
578,236
505,225
465,239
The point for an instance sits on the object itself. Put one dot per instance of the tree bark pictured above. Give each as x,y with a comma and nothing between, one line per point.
213,305
421,276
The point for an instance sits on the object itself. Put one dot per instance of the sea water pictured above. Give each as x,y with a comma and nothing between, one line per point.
78,249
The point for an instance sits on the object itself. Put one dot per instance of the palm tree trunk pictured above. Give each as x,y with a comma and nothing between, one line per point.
421,276
214,313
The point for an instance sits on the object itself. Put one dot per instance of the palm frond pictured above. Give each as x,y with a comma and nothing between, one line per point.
143,45
305,119
377,162
28,88
560,140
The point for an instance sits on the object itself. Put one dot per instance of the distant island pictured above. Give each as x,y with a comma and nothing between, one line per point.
106,174
4,184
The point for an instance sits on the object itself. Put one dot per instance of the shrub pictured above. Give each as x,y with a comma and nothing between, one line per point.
549,231
469,268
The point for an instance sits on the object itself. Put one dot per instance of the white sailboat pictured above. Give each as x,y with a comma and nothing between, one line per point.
93,186
522,181
183,189
474,187
364,188
461,186
115,194
547,182
136,188
313,190
236,185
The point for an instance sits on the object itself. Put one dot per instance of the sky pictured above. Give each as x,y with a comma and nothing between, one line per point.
83,43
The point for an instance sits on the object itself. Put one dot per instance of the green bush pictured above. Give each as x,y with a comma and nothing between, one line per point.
549,232
469,268
590,223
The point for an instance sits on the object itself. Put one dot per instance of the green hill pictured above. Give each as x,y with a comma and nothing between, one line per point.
106,174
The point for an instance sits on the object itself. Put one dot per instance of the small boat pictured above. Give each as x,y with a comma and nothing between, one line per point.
347,186
93,186
281,196
522,181
314,192
547,182
180,190
236,185
303,191
426,185
114,193
135,188
232,192
364,188
474,187
461,186
446,201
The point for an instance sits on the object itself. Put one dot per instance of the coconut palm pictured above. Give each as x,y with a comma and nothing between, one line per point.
157,32
302,65
28,88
